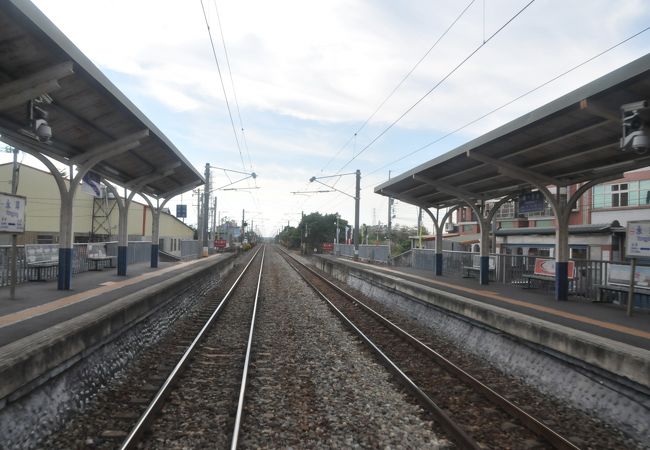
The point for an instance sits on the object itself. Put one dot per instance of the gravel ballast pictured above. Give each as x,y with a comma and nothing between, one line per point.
313,384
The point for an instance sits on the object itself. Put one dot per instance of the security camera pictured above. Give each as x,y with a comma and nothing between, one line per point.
635,120
43,130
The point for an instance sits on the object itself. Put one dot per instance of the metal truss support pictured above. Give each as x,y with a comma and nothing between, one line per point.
18,92
561,206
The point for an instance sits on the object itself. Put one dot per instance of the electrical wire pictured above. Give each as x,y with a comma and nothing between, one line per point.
401,82
508,103
223,87
232,83
440,82
538,87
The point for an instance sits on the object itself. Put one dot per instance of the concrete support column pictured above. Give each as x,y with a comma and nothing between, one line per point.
562,258
438,262
484,274
155,233
123,241
64,281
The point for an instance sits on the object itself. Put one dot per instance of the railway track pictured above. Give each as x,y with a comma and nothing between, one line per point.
474,415
210,376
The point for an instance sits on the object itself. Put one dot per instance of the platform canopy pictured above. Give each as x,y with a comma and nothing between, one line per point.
570,140
89,117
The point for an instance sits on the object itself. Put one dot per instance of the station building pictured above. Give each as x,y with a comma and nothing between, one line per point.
95,217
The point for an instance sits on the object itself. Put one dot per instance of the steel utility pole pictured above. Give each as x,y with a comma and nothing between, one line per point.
242,225
357,198
206,210
390,218
14,190
214,218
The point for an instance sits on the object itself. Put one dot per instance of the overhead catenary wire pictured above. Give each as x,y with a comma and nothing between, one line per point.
400,83
438,84
492,111
510,102
234,91
223,87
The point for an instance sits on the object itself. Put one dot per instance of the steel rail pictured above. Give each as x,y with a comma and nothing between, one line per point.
513,410
155,405
455,431
244,381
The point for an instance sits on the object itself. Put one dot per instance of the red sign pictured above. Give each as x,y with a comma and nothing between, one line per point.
547,267
328,247
220,243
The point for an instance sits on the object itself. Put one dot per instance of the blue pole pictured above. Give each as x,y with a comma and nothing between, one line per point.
64,280
121,260
562,280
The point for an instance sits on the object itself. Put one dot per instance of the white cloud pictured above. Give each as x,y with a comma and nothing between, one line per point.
323,67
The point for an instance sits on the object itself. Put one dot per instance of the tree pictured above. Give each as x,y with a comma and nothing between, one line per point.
318,228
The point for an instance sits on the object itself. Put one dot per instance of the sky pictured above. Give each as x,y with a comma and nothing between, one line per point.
309,80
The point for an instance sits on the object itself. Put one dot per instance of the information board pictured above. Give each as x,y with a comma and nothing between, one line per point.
181,211
530,202
12,213
637,239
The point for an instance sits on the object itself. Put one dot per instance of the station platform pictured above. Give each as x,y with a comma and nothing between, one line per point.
39,305
44,330
599,334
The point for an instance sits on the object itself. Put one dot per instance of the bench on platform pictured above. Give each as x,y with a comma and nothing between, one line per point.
96,254
476,266
545,272
41,258
617,286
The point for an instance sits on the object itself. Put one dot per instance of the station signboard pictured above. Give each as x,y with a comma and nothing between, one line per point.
12,213
531,202
220,243
637,239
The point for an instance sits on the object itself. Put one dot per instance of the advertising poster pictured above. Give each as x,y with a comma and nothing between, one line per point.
12,213
637,239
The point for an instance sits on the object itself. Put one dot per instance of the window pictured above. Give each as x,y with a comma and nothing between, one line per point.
506,211
44,239
621,195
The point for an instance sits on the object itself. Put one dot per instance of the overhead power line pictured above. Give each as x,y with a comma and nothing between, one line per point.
510,102
442,80
223,87
234,91
401,82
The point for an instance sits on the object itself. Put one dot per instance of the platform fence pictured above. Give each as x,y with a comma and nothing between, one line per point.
137,252
374,253
510,269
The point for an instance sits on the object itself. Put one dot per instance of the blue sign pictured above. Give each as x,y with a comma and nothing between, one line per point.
181,211
531,202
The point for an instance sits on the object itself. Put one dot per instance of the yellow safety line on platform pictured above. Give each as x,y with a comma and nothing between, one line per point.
495,296
29,313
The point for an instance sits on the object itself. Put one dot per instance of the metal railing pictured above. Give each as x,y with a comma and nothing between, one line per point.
137,252
510,269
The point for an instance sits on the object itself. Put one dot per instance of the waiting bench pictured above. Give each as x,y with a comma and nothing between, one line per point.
476,266
40,259
545,272
617,286
96,254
